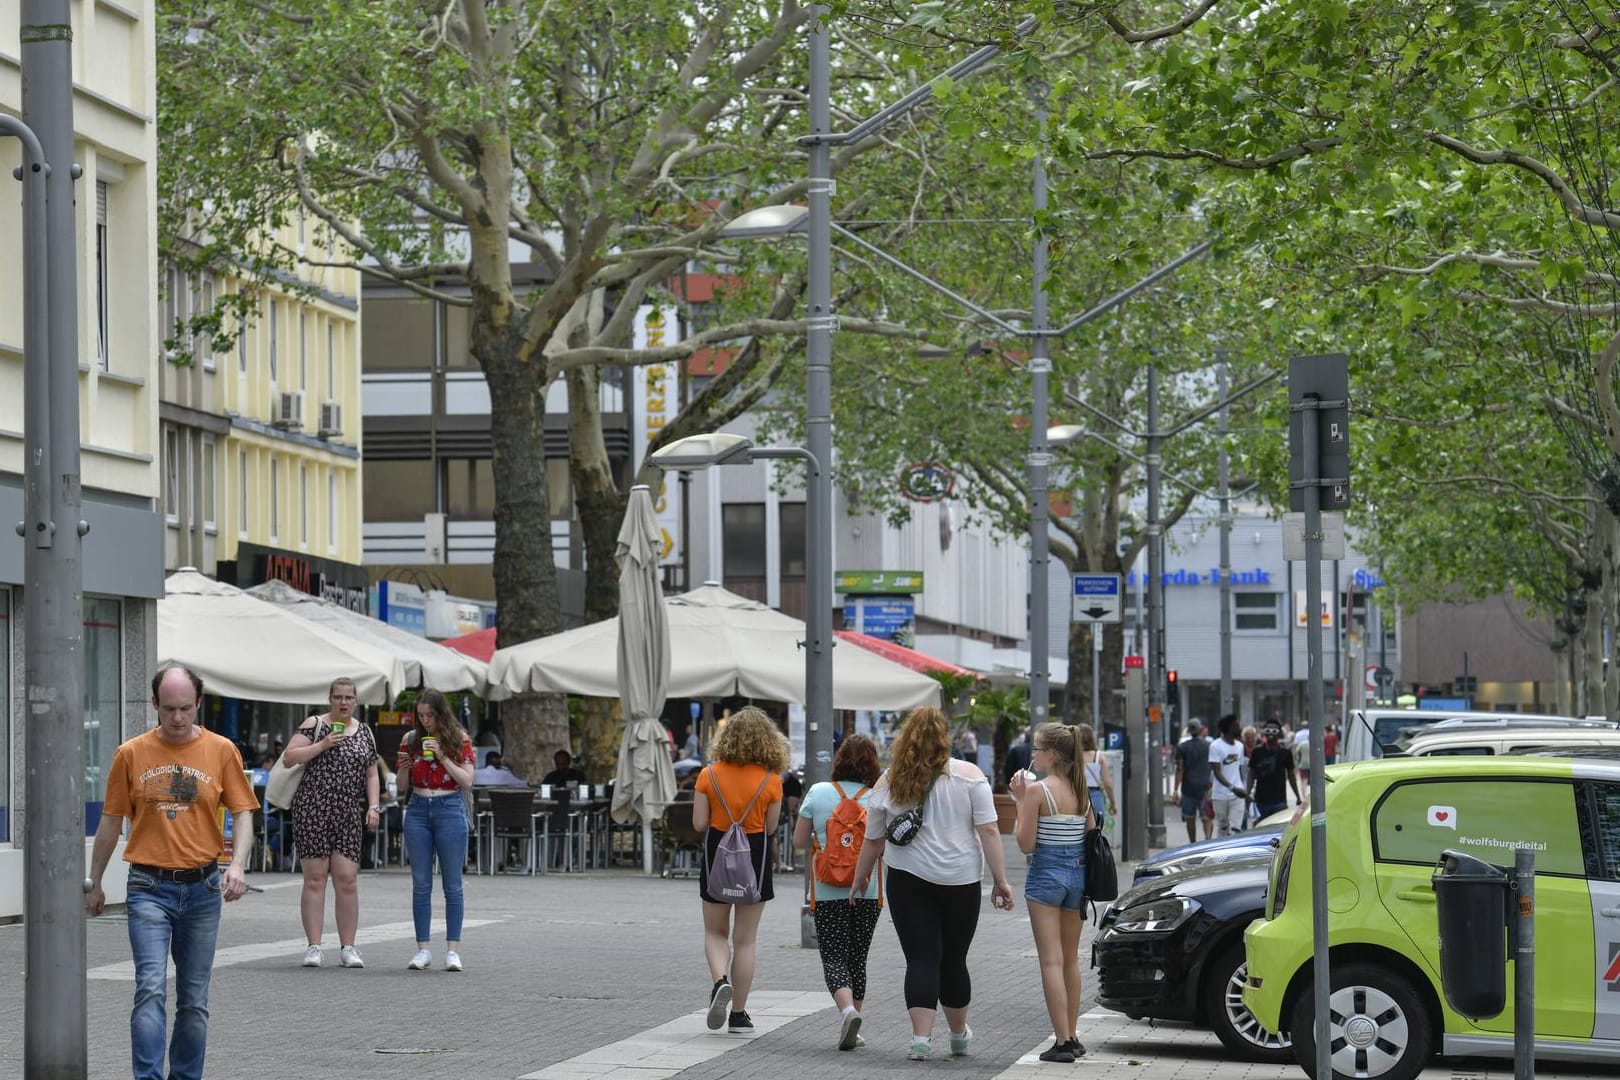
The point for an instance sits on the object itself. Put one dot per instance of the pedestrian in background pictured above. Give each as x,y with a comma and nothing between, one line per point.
172,782
337,802
434,767
1099,784
743,783
1192,779
933,881
1054,814
844,921
1271,774
1228,790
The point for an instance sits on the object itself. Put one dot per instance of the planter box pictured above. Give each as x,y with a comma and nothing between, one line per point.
1006,812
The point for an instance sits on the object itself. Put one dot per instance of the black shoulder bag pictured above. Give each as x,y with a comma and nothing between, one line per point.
905,827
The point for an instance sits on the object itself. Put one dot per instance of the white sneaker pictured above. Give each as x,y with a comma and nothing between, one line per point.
421,961
452,961
350,957
312,956
960,1040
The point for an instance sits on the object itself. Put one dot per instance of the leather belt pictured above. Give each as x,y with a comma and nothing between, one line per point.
181,877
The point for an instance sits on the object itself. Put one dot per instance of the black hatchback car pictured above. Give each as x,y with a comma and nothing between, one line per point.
1171,948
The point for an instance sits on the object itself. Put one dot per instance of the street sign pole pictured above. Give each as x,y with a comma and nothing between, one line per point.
1097,599
1318,397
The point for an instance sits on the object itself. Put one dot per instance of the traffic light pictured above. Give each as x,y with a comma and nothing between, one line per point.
1170,686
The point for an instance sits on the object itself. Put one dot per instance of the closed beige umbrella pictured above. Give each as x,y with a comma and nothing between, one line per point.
645,781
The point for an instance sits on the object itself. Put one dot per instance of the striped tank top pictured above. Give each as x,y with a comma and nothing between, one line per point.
1056,828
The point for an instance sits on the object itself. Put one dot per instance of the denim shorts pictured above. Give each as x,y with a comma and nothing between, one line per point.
1192,805
1057,876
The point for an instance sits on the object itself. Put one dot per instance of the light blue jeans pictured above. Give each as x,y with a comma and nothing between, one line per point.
436,827
167,917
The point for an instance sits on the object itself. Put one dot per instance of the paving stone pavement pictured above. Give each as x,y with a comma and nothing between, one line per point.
596,976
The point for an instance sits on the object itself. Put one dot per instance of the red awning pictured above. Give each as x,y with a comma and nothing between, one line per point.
899,654
480,644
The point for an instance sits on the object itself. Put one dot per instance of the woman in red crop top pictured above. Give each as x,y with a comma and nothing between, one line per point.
435,765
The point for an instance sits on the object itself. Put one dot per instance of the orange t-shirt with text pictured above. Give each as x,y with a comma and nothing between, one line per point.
172,795
738,784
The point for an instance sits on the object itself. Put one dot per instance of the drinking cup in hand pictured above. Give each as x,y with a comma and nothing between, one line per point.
430,749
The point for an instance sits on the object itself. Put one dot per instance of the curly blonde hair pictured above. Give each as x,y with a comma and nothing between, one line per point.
919,754
749,737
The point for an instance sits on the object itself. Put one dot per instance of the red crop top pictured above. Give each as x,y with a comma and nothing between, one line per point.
424,774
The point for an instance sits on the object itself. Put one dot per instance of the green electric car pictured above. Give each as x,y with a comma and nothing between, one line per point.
1387,823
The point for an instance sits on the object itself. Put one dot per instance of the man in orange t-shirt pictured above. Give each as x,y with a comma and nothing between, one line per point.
171,783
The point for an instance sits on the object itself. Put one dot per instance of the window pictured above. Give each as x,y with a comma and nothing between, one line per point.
331,510
792,521
399,490
103,280
399,335
1255,612
331,361
242,347
203,343
470,489
1600,825
242,493
103,699
742,539
275,342
457,339
171,475
275,500
5,713
1484,817
173,312
208,490
303,504
303,351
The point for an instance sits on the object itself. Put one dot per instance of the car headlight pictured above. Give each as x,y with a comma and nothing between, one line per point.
1156,915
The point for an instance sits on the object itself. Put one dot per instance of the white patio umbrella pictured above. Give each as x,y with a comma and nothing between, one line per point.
645,781
427,663
721,645
243,647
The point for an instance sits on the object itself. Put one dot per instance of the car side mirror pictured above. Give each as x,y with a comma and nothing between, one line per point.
1274,842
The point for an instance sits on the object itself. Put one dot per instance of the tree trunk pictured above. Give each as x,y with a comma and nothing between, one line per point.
601,730
598,502
525,570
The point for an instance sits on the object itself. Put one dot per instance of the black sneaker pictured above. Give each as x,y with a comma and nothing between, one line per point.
1076,1048
741,1023
719,1004
1059,1053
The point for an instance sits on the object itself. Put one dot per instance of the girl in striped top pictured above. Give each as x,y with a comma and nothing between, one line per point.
1054,814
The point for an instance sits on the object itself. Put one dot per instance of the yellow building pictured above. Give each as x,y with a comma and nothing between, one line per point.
114,106
261,443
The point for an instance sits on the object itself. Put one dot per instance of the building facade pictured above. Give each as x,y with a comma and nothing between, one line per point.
116,224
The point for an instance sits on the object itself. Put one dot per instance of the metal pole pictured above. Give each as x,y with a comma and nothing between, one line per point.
1040,456
1096,679
1313,706
55,1032
1155,617
1225,570
818,731
1524,965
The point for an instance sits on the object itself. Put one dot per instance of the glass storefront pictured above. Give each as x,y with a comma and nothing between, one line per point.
103,699
5,714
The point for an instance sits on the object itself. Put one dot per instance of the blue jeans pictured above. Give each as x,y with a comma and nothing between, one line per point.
1057,876
166,917
436,827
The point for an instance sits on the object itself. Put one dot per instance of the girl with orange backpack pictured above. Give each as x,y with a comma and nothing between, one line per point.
832,822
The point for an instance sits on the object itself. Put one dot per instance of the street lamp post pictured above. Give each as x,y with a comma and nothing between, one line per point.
55,1037
701,451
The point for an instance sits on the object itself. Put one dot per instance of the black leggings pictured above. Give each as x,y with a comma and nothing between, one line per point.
844,933
935,924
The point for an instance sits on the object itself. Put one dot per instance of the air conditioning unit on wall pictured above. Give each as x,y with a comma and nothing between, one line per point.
331,419
290,409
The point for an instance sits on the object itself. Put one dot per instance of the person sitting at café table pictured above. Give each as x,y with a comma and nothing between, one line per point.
566,771
494,773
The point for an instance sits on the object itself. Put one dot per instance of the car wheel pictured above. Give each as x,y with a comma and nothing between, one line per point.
1379,1027
1231,1020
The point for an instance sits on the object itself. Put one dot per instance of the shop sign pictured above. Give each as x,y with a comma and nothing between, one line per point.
878,582
927,481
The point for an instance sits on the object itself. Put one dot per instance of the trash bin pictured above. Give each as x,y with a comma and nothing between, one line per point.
1471,897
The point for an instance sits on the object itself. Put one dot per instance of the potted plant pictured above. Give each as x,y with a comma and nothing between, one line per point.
1006,714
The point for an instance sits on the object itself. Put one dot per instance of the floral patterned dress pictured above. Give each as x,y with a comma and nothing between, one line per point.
329,808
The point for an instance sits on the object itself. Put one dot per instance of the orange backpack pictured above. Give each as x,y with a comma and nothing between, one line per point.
846,832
